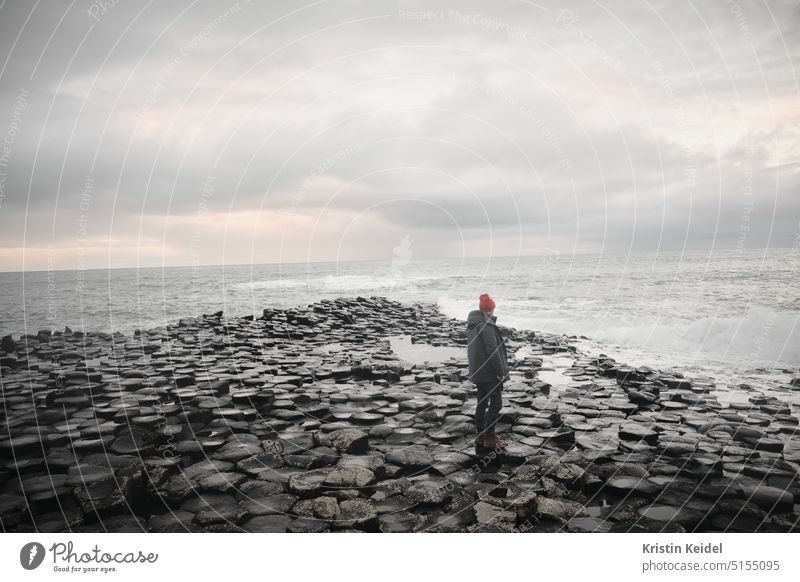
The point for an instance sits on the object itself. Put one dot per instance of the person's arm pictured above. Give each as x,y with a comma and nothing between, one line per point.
489,339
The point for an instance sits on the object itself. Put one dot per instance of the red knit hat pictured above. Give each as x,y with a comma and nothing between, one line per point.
486,303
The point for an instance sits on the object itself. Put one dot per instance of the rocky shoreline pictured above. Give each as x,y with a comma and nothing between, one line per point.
306,420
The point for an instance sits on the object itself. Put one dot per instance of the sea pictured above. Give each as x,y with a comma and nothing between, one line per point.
728,312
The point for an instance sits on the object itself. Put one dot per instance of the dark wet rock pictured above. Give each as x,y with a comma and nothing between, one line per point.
688,517
225,424
631,485
268,524
13,510
676,449
560,509
278,504
174,521
736,522
349,477
791,452
308,525
402,436
123,524
380,431
258,463
459,519
20,446
374,461
772,445
487,514
7,344
313,458
220,513
308,484
414,457
644,525
769,498
221,482
182,485
260,488
745,433
235,451
107,497
357,514
366,418
634,431
326,508
517,453
642,397
430,492
345,441
401,522
588,524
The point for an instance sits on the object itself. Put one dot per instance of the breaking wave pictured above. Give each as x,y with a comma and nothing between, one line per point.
760,337
345,284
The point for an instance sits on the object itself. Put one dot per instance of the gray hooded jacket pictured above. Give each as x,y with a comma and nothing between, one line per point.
486,350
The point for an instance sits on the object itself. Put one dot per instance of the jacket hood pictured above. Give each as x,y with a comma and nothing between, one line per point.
476,317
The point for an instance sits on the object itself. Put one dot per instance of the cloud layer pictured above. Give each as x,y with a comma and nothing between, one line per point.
199,132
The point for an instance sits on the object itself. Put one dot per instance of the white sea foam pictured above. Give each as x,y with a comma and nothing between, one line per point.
349,283
760,337
271,284
345,284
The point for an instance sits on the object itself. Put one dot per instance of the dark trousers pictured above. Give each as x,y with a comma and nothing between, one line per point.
490,401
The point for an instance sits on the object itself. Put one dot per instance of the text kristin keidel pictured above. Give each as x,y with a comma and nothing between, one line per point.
689,548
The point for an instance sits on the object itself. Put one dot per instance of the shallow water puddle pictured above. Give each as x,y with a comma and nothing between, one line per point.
730,396
421,353
327,348
660,512
553,369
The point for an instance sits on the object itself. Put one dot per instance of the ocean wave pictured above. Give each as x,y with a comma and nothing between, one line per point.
345,284
350,283
269,284
762,336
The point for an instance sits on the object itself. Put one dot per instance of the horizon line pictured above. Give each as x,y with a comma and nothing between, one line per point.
576,253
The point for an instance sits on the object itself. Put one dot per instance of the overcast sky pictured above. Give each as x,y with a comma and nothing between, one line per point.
210,132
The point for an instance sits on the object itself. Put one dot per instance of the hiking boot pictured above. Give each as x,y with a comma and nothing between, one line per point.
493,442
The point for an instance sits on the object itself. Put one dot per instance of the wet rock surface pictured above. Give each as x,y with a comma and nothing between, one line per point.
307,420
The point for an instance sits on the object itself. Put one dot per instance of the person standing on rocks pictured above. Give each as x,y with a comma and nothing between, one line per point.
488,369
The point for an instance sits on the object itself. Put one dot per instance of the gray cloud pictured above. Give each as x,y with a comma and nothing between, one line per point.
651,125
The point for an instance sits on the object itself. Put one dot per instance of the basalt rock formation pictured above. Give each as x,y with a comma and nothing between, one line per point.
306,420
